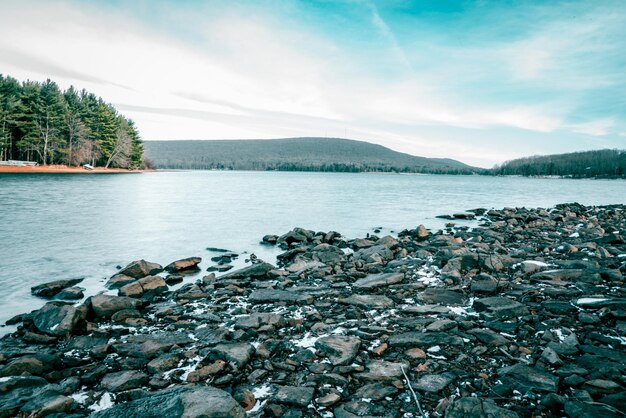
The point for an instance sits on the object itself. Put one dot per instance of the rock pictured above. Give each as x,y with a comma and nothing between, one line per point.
375,391
46,403
182,402
378,254
488,337
434,382
260,319
328,400
500,307
484,284
163,363
104,306
33,365
118,281
380,370
294,395
259,270
125,380
16,391
377,280
441,325
71,293
185,264
292,237
341,350
150,285
237,353
285,296
421,233
269,239
524,378
471,407
442,297
57,319
368,301
574,275
140,268
578,409
50,289
424,339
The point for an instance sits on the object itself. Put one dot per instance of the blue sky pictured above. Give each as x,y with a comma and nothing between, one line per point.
479,81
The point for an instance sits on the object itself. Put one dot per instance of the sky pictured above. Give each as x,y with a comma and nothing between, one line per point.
478,81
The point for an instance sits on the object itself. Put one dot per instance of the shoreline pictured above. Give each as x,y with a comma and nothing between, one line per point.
63,169
512,316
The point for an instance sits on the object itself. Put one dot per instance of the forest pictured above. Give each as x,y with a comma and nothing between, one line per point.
607,163
294,154
40,122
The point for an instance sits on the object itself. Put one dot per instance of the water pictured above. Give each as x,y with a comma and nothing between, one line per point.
66,226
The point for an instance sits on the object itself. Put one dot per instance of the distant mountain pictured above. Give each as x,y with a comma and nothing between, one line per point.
606,163
294,154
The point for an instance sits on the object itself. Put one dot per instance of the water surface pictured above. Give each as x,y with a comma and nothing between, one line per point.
57,226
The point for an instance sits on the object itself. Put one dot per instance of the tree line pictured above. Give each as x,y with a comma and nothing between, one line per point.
607,163
40,122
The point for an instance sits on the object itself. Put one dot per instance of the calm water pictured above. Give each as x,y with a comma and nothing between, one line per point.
66,226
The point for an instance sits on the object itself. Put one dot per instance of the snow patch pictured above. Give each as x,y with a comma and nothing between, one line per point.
105,402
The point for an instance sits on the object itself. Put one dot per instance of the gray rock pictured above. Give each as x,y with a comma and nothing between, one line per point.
184,264
375,391
294,395
57,319
488,337
71,293
424,339
500,307
471,407
377,280
260,319
104,306
442,297
524,378
374,254
574,275
285,296
578,409
380,370
125,380
237,353
185,402
340,349
140,268
50,289
47,402
16,391
368,301
434,382
259,270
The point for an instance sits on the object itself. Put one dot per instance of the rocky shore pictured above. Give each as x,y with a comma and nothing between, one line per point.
523,315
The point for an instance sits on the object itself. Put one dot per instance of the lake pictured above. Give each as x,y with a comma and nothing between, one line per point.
68,226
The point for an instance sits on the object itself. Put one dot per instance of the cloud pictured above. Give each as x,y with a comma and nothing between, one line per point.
425,83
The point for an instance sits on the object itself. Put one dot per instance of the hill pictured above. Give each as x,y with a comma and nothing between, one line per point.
606,163
294,154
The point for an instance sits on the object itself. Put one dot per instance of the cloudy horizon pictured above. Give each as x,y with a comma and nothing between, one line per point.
481,82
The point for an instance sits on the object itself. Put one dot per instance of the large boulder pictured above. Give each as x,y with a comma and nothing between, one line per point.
57,319
378,280
104,306
340,349
125,380
182,402
150,285
141,268
258,270
190,263
51,289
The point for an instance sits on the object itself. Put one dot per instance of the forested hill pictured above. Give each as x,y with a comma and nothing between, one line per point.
40,122
603,163
294,154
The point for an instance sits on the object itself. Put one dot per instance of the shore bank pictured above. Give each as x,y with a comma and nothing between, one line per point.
64,169
523,315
